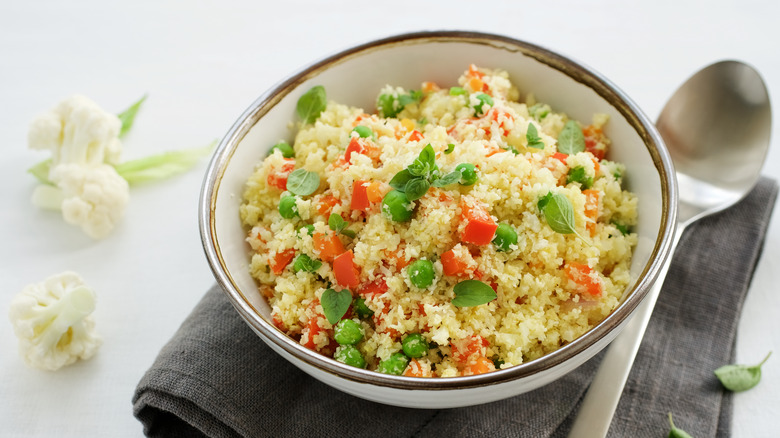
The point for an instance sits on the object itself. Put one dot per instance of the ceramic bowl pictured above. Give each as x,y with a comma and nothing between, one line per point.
354,77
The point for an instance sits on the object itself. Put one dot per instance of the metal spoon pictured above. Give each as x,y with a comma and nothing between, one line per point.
716,127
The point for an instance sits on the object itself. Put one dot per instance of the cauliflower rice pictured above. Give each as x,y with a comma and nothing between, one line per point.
550,287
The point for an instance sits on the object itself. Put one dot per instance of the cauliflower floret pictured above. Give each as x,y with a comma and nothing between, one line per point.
53,323
84,142
77,130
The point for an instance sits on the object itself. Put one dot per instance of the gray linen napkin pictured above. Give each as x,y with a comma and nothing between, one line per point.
216,378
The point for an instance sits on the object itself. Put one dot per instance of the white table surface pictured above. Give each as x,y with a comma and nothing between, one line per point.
202,63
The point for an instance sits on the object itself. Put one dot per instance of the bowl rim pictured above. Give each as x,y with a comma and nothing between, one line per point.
579,72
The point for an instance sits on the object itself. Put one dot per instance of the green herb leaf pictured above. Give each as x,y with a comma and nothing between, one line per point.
620,227
740,377
306,264
532,136
301,182
511,149
484,99
450,178
418,168
539,111
559,213
428,156
416,188
162,165
127,117
400,180
312,104
571,140
349,233
335,304
675,432
336,222
578,174
469,293
458,91
41,171
450,148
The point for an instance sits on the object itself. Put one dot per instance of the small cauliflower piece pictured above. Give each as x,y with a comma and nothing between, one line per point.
84,143
53,323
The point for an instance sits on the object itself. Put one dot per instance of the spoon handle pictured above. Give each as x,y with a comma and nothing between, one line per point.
601,400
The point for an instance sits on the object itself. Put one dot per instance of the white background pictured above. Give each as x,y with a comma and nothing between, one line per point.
202,63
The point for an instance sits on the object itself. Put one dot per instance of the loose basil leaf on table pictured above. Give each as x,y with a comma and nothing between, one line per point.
740,377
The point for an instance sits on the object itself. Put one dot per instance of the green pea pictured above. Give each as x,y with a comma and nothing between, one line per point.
505,237
288,207
363,131
579,175
395,364
468,174
285,148
415,345
307,229
483,99
360,308
421,273
458,91
397,206
348,332
349,355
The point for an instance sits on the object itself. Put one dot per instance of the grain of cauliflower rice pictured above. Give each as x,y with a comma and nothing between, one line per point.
453,232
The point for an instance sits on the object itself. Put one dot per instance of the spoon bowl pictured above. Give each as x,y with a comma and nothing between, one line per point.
716,128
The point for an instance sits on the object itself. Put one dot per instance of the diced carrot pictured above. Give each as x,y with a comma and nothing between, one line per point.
280,260
376,191
427,86
415,136
596,166
360,196
480,227
376,287
397,258
325,203
278,177
594,141
345,271
465,350
474,72
414,369
452,265
312,328
560,156
363,146
328,246
278,322
586,279
475,84
359,118
481,365
266,290
591,209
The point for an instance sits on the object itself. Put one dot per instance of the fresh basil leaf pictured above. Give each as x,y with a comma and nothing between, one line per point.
620,227
559,214
301,182
335,304
484,99
387,105
41,171
740,377
511,149
458,91
532,136
413,96
542,202
306,264
450,178
450,148
578,174
127,117
349,233
400,179
571,140
416,188
539,111
311,104
422,122
676,432
428,156
418,168
469,293
336,222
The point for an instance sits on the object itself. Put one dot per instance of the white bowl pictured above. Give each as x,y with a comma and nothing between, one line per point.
354,77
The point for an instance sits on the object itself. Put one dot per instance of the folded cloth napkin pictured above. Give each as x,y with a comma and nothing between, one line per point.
216,378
